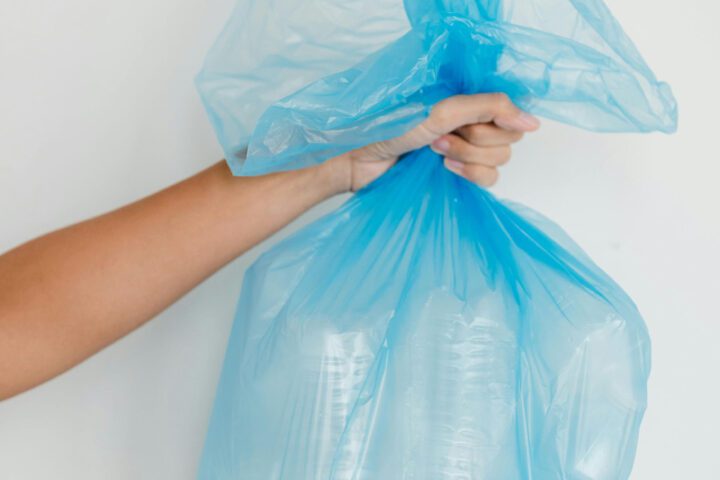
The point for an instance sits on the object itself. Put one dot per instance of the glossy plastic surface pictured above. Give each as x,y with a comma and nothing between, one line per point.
563,59
425,330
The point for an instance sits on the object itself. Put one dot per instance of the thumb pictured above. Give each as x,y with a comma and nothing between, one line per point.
455,112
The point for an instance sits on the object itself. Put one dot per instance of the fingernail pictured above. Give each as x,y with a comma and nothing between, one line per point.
441,145
453,165
527,121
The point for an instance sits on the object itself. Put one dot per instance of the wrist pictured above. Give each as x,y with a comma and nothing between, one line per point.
335,175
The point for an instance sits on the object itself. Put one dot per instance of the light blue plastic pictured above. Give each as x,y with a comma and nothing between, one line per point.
425,330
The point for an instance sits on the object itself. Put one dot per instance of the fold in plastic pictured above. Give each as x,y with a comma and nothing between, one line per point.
425,330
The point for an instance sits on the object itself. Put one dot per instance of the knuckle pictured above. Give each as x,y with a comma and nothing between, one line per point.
422,134
491,177
503,155
482,175
501,100
470,173
440,116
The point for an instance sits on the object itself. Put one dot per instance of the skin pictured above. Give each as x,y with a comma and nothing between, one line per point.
68,294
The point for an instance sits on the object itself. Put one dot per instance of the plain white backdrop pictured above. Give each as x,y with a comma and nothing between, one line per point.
98,108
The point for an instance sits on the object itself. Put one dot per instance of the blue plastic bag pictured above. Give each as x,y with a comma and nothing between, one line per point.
425,330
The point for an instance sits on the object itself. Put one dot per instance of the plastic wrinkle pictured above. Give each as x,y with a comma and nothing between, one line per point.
426,329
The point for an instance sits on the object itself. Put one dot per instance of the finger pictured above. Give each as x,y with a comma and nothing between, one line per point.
479,174
460,110
457,111
455,147
488,135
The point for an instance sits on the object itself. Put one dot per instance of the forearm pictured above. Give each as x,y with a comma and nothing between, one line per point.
68,294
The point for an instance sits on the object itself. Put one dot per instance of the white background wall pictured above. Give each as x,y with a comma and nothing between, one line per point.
97,108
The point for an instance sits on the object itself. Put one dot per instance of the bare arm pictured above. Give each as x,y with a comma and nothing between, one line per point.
70,293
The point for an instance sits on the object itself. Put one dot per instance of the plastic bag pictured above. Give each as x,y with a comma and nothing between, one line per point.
425,330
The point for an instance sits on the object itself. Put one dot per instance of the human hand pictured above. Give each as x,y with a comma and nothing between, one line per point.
472,132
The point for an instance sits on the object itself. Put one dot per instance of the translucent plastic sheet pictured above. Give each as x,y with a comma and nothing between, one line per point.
425,330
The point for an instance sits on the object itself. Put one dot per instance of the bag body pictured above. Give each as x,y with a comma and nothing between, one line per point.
425,330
